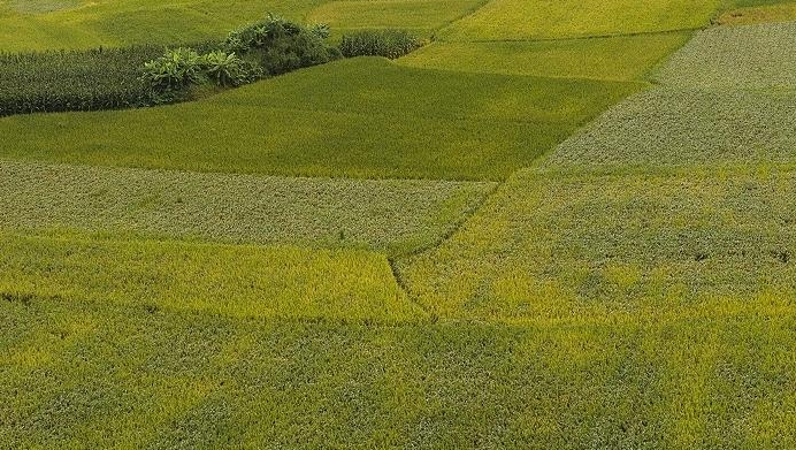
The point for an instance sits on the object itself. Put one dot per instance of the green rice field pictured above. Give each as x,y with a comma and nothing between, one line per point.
554,225
320,123
715,105
557,246
621,58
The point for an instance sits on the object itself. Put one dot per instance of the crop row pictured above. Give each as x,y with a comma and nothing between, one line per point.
676,127
74,80
748,57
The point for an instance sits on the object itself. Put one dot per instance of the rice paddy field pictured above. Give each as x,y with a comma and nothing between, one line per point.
320,122
556,225
391,216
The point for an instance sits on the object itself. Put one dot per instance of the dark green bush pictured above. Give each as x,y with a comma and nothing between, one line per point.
279,46
74,80
387,43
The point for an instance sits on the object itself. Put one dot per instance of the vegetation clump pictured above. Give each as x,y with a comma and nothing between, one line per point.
170,76
228,69
96,79
269,47
387,43
173,72
279,46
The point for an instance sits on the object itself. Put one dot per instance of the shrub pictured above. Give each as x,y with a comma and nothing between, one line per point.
278,45
171,76
74,80
293,52
320,30
228,69
244,39
387,43
175,70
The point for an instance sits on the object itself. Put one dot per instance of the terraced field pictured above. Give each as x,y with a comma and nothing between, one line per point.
559,225
620,58
518,20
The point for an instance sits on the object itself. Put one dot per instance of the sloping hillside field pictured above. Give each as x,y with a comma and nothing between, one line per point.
550,225
322,122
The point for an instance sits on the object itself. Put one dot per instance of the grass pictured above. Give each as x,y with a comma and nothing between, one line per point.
388,215
617,58
552,245
749,57
237,281
355,118
536,19
79,374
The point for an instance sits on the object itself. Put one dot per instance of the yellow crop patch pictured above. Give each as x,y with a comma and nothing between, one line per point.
237,281
419,15
540,19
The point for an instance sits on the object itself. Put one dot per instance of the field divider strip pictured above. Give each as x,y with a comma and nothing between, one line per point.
643,81
578,38
454,228
466,14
